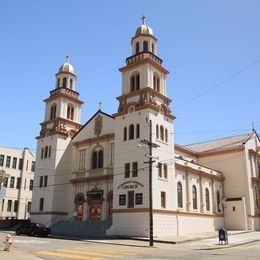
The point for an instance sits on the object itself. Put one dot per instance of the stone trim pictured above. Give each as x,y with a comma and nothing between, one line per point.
107,137
96,178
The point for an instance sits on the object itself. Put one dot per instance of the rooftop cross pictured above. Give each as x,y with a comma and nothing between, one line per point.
100,104
143,18
67,58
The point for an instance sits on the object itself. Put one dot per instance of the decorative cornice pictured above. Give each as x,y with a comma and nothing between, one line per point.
93,140
143,34
198,172
91,179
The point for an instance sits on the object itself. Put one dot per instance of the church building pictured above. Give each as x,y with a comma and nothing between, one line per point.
99,172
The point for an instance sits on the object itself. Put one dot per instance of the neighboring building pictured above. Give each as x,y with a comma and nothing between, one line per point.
99,171
16,190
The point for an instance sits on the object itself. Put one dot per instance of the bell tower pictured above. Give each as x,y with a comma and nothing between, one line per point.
61,123
143,114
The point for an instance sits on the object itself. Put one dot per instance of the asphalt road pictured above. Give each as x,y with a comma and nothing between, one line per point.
26,247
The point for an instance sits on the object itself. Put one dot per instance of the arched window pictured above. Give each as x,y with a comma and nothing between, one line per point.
46,152
152,48
207,199
42,153
145,46
162,133
53,111
64,82
49,151
218,201
125,133
135,81
70,112
179,194
97,159
137,48
100,159
137,131
71,83
166,135
194,197
157,131
156,82
131,132
58,83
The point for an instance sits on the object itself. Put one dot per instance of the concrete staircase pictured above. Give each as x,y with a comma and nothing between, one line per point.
88,228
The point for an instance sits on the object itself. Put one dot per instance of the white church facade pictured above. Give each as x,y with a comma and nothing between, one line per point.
99,171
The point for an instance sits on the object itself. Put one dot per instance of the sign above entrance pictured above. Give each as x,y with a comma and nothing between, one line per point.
130,185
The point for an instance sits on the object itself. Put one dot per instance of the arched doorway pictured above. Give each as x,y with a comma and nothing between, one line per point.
109,205
95,201
79,206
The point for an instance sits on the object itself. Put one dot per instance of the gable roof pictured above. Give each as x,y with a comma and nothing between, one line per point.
220,144
98,112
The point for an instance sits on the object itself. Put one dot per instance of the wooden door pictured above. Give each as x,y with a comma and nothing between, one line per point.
95,210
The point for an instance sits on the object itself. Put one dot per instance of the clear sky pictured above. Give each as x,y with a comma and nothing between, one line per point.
211,48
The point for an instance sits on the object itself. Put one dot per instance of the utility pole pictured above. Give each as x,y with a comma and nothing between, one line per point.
150,162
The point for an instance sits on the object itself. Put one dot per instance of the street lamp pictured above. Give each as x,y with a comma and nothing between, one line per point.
150,162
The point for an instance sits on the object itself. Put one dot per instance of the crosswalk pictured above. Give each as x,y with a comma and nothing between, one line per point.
93,253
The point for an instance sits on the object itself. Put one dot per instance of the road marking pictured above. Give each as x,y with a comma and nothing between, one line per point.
71,256
31,241
79,251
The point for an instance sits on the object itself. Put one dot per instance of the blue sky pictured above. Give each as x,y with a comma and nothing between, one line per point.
211,48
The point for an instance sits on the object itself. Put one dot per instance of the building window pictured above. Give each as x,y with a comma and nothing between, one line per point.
70,112
9,205
45,180
135,169
207,199
166,135
125,133
157,131
18,183
194,197
218,201
127,170
46,152
33,166
162,133
53,111
179,194
131,199
27,163
15,205
58,83
29,207
8,161
122,200
156,82
137,48
71,83
165,171
145,46
12,182
20,164
138,198
2,158
42,153
49,151
131,132
41,181
160,170
152,48
112,153
137,131
97,159
41,204
64,82
5,182
3,204
31,185
134,81
82,159
163,199
14,164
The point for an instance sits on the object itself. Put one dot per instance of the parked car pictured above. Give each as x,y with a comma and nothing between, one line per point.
33,229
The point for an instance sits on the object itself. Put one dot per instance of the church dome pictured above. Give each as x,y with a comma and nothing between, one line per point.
66,67
144,29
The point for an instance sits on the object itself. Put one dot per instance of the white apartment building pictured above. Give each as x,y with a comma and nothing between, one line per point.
98,171
18,166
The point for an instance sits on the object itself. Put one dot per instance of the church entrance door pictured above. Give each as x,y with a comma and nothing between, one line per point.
95,210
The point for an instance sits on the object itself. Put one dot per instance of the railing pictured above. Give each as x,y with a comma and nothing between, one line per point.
143,55
66,91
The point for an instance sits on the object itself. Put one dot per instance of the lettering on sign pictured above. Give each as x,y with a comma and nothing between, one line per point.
130,185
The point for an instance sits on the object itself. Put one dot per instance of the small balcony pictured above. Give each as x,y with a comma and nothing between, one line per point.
141,56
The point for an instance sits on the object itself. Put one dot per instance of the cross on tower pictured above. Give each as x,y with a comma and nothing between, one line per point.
143,18
100,104
67,58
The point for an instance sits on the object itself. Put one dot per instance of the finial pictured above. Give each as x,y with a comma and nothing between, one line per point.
100,104
143,18
67,58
